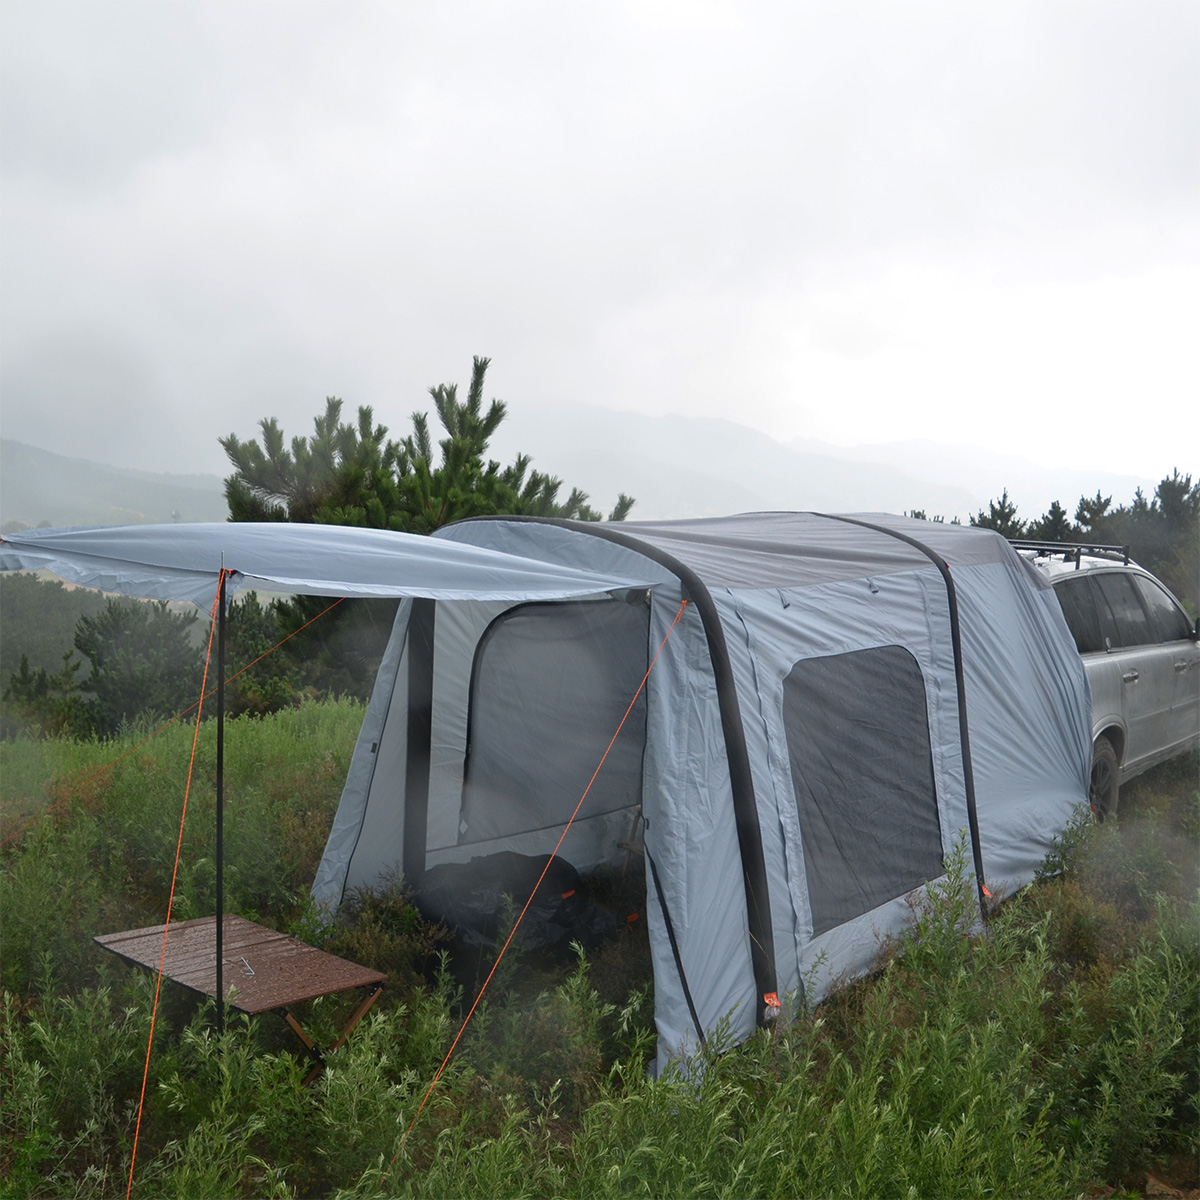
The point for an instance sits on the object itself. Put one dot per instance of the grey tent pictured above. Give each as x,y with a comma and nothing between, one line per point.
841,699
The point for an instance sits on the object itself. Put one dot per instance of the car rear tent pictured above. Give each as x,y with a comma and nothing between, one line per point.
841,699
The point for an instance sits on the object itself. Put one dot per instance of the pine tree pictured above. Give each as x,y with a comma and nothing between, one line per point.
1052,526
1090,513
143,662
353,474
1001,516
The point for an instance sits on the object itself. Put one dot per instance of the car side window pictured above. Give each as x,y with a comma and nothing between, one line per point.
1109,636
1133,625
1076,597
1170,623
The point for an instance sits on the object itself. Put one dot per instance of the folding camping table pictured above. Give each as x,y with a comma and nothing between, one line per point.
264,971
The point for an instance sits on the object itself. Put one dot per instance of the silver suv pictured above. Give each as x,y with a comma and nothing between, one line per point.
1141,654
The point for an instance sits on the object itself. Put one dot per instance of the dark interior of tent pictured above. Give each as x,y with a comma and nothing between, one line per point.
548,686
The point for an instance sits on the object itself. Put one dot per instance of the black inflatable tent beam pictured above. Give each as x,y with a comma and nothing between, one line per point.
745,809
420,735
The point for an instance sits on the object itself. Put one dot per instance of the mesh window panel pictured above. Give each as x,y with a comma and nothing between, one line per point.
858,741
550,685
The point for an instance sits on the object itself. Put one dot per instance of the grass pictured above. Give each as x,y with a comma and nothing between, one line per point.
1055,1055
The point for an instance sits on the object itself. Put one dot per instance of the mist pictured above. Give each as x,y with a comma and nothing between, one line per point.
851,223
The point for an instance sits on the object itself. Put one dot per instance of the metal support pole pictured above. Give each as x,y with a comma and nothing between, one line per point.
220,856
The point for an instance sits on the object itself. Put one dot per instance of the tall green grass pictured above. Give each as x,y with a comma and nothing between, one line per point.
102,859
1055,1051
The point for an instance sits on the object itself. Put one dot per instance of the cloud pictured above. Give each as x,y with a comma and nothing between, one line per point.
92,91
82,388
807,217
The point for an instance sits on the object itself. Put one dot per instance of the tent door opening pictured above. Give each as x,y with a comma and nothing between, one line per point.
546,687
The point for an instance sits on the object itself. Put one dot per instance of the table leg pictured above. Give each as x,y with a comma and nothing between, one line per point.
360,1012
314,1051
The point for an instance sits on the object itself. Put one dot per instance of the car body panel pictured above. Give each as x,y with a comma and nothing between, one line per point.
1181,668
1139,651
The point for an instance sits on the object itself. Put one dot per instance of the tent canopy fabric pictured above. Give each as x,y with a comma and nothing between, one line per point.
182,562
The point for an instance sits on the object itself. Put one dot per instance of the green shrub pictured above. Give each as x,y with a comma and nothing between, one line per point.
549,1045
52,900
1136,1078
380,928
71,1073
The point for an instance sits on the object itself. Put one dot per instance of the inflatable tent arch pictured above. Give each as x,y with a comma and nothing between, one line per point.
842,697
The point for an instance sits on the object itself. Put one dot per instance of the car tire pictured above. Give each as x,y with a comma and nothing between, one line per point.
1104,789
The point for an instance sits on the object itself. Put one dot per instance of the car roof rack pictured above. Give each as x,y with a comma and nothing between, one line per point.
1072,551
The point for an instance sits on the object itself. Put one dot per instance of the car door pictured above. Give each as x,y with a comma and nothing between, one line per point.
1178,650
1147,678
1082,607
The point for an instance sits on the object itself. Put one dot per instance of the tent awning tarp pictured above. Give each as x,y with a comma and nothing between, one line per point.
182,562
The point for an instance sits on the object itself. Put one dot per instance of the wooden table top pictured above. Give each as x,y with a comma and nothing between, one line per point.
263,970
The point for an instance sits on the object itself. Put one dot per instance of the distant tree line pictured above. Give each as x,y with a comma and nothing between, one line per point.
1162,532
35,613
144,664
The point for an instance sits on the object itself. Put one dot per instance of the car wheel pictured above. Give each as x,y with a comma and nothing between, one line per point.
1102,794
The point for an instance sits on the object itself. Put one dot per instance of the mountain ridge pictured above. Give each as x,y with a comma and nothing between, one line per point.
675,467
39,487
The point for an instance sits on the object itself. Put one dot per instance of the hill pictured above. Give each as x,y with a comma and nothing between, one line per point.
675,466
39,487
679,466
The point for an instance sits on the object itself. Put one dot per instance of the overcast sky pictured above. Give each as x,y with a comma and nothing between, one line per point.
850,222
